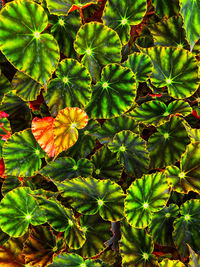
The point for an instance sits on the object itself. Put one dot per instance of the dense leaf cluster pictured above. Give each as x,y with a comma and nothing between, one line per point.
100,133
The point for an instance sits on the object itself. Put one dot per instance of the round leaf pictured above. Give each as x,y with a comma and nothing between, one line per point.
120,15
90,196
131,152
179,70
17,210
99,46
22,154
70,89
168,144
114,94
164,8
144,196
21,25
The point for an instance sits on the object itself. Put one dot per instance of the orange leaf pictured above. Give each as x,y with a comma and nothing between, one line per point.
65,127
42,130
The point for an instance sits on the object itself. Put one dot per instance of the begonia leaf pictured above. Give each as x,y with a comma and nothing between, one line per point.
164,8
171,263
194,258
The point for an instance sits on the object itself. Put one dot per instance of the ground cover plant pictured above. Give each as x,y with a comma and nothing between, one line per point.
100,133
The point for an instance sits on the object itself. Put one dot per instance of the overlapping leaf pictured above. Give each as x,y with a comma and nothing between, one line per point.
136,247
114,94
17,210
141,66
171,263
115,125
144,196
179,70
106,165
164,8
5,86
90,196
67,168
168,143
186,178
131,152
186,228
10,183
70,89
194,258
161,225
120,15
22,154
21,25
99,46
190,11
156,112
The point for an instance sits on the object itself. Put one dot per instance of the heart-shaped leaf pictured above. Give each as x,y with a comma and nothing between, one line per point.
181,79
70,89
106,165
22,154
99,46
156,112
168,143
186,228
144,196
65,127
90,196
190,11
131,152
120,15
17,210
161,225
36,54
136,247
114,94
186,178
115,125
67,168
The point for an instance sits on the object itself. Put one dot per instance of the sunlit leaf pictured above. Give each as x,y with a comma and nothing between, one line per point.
194,258
146,195
90,196
131,152
120,15
99,46
10,183
65,127
171,263
67,168
21,25
17,210
70,89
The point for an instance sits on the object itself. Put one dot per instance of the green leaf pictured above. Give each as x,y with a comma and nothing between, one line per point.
194,134
168,144
64,30
5,86
136,247
186,178
115,125
70,89
179,70
90,196
194,258
36,54
114,94
17,210
3,238
10,183
25,87
144,196
131,152
106,165
169,33
164,8
86,140
141,66
190,10
161,225
156,112
120,15
22,154
62,220
99,46
69,260
97,232
171,263
67,168
186,228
